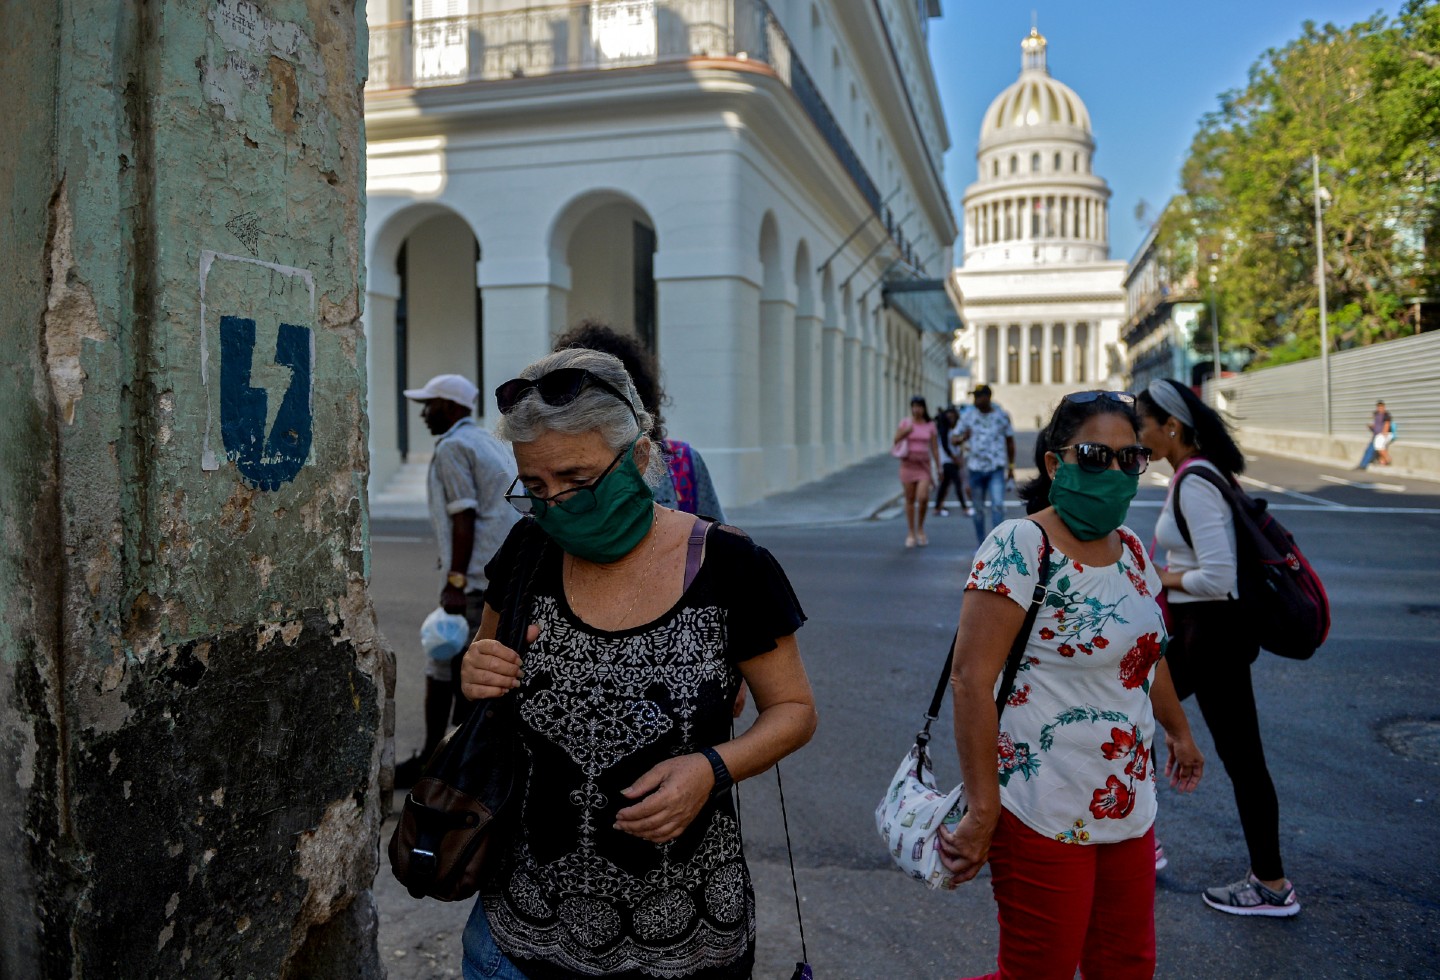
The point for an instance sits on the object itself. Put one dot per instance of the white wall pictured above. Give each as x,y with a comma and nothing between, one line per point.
440,293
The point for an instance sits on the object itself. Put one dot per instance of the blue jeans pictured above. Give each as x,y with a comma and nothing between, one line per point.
1369,456
987,493
483,959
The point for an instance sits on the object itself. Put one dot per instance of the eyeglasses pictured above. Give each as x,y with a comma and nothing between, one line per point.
559,387
1083,397
1095,457
576,500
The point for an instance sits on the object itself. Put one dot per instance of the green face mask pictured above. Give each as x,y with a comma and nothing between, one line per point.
622,513
1092,504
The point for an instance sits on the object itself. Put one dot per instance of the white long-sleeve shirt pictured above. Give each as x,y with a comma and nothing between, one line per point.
1207,566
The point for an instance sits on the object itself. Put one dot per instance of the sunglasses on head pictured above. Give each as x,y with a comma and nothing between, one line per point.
1095,457
559,387
1082,397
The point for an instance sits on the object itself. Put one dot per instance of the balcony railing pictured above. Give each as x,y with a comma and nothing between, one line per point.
604,35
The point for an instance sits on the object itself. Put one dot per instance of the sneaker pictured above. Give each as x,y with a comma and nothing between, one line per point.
1248,897
941,512
1161,861
969,511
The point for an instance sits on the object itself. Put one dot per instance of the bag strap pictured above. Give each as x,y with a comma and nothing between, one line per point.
1012,662
695,550
1209,476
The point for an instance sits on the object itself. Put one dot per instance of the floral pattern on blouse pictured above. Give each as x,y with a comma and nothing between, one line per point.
1075,741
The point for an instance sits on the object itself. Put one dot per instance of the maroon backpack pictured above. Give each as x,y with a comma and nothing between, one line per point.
1279,590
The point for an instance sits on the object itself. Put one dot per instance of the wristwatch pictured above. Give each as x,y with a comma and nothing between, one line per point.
723,780
456,580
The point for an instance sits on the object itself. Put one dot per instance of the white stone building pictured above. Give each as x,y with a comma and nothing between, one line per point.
754,189
1041,299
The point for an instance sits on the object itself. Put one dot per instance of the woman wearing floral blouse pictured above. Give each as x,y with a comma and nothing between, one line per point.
1064,814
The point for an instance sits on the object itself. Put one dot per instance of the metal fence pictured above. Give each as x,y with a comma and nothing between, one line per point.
1405,374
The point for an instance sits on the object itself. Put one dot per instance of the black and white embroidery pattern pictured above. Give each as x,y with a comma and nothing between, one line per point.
604,708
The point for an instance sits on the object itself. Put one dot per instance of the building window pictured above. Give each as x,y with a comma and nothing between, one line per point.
1035,163
1014,164
1057,163
1075,163
994,168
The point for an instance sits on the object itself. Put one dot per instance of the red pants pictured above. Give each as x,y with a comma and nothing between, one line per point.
1068,905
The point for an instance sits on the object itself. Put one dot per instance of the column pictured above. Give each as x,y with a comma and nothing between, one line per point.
869,405
1024,347
776,373
809,449
832,363
383,409
977,354
711,346
852,399
1047,363
193,692
1067,353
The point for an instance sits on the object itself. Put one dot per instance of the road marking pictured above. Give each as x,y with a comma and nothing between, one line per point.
1364,485
394,539
1293,493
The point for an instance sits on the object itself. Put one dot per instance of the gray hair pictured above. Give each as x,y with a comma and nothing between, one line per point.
594,410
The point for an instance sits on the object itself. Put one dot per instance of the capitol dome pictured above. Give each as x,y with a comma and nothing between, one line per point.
1035,102
1036,201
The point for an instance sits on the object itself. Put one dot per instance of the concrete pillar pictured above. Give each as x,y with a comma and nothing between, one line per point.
1047,362
832,424
808,387
193,696
869,409
718,409
776,369
1023,345
1068,354
852,399
383,409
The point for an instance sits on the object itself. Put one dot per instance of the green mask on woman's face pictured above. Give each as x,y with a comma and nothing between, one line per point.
622,515
1092,504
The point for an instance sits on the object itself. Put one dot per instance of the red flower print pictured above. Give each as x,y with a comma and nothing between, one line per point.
1078,567
1135,668
1002,589
1019,696
1136,552
1085,649
1032,661
1115,800
1138,581
1137,766
1066,650
979,566
1122,744
1100,642
1046,633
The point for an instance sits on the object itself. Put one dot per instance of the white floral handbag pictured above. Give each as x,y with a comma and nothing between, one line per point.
913,809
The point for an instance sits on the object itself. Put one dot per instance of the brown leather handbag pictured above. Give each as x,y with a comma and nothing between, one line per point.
456,816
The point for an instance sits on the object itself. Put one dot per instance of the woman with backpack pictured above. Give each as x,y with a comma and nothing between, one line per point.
1211,645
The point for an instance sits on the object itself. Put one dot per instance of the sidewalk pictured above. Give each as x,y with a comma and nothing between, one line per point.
856,493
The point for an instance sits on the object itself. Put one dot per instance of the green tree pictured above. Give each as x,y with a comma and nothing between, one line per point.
1366,100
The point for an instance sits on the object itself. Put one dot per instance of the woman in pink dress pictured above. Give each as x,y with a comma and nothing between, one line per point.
918,450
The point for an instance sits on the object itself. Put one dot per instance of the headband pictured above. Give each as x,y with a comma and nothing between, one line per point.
1168,398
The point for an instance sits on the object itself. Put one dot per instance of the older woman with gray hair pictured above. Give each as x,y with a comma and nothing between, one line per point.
626,859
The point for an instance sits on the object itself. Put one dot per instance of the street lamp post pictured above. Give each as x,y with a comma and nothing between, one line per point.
1320,278
1214,338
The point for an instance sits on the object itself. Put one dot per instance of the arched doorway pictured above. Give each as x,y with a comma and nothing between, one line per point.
608,243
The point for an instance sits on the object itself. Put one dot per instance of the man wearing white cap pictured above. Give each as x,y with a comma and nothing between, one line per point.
469,474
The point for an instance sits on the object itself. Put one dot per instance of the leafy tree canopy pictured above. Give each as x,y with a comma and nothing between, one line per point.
1364,99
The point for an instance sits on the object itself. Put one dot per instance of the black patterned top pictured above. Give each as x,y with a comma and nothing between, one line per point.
598,709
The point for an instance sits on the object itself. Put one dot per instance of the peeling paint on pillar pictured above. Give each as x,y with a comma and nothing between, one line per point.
193,695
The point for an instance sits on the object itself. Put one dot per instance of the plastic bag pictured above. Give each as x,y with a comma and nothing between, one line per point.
444,634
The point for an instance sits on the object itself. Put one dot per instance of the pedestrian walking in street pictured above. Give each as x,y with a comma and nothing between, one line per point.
469,473
689,488
1212,646
1065,817
945,422
1382,432
918,448
989,439
626,858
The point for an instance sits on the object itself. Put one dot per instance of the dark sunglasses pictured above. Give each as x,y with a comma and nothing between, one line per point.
577,500
1083,397
559,387
1095,457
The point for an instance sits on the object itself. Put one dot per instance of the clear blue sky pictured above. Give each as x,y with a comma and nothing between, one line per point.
1146,69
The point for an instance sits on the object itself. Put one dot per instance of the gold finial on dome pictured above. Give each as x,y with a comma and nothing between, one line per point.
1033,51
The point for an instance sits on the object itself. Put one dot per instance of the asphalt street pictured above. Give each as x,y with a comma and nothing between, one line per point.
1352,738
